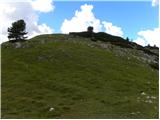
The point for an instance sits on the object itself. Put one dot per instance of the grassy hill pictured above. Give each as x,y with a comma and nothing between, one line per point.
63,76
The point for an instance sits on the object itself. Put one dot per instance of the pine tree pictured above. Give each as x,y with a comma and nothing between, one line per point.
17,31
127,39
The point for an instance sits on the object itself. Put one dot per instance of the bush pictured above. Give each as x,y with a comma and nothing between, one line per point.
90,29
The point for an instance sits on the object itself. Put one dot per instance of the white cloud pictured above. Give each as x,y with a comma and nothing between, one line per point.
149,37
84,18
81,20
155,2
42,5
13,11
41,29
112,29
140,41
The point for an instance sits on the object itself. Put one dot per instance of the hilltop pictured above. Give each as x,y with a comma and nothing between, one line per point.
75,76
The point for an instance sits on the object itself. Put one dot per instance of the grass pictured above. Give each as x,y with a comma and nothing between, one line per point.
77,80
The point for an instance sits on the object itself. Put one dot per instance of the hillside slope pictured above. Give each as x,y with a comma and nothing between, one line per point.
61,76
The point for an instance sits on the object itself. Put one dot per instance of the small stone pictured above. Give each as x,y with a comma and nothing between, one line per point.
150,101
153,97
148,82
138,112
143,93
133,113
147,97
51,109
18,45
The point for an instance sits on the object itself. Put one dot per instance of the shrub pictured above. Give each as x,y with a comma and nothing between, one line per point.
90,29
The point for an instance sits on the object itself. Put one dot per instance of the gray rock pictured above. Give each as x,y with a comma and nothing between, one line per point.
18,45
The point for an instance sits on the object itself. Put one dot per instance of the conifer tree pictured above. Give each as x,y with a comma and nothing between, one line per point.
17,31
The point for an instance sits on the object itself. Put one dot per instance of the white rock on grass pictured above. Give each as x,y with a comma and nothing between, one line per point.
143,93
150,97
147,97
133,113
153,97
51,109
148,101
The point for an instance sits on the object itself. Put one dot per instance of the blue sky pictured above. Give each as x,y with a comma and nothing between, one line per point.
130,16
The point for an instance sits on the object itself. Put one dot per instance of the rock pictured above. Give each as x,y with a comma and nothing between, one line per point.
143,93
18,45
42,41
150,97
133,113
51,109
147,97
138,112
41,58
153,97
148,101
149,81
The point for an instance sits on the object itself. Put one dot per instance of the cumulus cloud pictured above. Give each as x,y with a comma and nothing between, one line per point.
81,20
84,18
155,2
42,5
40,29
141,41
13,11
148,37
112,29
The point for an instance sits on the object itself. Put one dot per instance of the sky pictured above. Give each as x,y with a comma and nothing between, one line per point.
136,19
